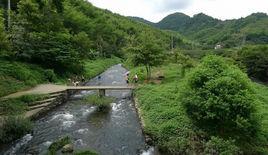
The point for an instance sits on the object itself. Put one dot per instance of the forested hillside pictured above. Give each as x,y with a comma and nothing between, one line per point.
61,34
210,31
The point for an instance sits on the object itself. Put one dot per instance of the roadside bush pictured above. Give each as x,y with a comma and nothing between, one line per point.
13,128
220,146
218,99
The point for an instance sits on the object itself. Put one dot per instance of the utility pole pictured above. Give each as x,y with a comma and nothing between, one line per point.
8,14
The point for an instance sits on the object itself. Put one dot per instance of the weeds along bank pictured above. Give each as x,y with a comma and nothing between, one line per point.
169,124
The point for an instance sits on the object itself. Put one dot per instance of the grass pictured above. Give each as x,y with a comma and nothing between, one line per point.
15,76
13,128
262,112
17,106
170,127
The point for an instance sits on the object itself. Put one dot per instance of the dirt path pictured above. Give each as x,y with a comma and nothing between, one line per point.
40,89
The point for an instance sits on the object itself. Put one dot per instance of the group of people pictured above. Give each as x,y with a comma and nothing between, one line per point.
135,78
76,81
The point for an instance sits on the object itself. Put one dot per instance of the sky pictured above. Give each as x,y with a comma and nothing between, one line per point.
155,10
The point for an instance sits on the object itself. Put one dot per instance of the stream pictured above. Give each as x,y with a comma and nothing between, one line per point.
117,132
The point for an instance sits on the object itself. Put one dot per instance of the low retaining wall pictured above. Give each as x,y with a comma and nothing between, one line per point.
148,139
59,100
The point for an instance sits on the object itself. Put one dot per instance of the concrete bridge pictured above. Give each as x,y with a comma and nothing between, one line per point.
52,89
101,89
57,94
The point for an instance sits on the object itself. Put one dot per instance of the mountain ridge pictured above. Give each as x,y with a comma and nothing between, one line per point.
209,31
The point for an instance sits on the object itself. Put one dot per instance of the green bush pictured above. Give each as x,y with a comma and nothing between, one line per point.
218,99
101,102
87,152
50,75
220,146
13,128
57,145
255,58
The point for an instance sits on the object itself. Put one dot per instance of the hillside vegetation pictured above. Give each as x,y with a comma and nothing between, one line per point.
59,34
60,39
210,31
170,121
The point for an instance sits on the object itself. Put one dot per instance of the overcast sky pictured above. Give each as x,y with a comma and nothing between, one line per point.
155,10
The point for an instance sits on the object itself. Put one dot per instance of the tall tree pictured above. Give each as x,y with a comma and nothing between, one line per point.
146,50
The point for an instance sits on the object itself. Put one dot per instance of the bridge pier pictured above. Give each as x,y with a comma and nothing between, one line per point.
101,92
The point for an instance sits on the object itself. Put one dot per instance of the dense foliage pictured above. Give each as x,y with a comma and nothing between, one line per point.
173,131
209,31
255,58
3,37
14,127
219,99
146,51
61,34
222,147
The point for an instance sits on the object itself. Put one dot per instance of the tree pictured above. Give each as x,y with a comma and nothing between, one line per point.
4,44
255,58
185,61
218,99
146,50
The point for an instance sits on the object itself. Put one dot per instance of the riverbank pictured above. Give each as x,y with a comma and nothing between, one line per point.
17,76
116,131
167,123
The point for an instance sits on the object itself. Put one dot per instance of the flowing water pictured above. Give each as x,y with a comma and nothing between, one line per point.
115,132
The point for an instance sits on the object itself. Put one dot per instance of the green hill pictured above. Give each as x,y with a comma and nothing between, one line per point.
210,31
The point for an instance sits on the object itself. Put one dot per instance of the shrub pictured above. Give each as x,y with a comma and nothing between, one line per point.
256,61
101,102
218,99
87,152
50,75
220,146
57,145
13,128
